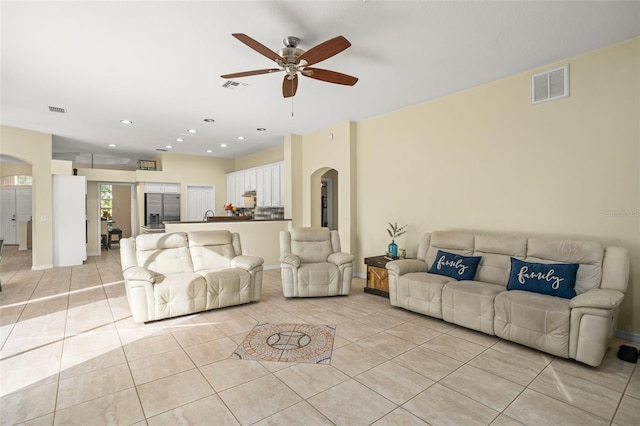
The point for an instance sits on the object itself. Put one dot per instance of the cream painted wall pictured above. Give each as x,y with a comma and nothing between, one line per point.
487,160
260,158
35,148
311,156
14,169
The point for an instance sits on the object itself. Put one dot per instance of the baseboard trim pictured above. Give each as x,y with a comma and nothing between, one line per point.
270,267
360,275
40,267
628,335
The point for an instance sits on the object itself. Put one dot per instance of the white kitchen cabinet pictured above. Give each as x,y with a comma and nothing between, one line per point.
231,185
276,198
163,188
267,181
250,180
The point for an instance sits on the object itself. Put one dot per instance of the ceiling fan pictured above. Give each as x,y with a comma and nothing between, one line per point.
293,60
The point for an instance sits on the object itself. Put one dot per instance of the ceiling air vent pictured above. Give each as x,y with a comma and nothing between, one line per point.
234,85
549,85
57,109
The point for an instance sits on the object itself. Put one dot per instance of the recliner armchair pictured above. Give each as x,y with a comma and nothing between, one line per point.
312,263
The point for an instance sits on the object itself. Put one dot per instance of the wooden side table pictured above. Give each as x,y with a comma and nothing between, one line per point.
377,276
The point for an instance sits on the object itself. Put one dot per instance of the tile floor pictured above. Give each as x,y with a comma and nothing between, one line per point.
71,355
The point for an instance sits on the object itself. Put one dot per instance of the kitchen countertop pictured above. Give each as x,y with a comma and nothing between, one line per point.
228,219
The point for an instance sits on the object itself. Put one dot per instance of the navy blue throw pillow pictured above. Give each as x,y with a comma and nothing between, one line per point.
455,266
554,279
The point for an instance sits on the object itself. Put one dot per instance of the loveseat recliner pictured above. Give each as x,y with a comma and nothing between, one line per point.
312,264
172,274
519,290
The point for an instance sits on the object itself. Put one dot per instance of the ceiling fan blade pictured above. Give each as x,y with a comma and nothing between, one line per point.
249,73
258,47
330,76
289,87
324,50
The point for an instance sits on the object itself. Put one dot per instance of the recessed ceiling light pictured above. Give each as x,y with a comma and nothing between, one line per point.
209,151
126,121
179,140
192,131
223,145
261,129
168,146
209,120
240,138
112,145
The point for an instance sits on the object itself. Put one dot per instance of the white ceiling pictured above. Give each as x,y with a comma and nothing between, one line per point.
159,63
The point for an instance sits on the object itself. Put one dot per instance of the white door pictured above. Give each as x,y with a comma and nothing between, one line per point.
200,199
15,207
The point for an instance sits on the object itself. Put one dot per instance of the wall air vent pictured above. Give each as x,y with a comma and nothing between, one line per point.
161,149
234,85
57,109
549,85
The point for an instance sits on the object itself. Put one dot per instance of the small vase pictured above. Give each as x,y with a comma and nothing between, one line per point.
393,249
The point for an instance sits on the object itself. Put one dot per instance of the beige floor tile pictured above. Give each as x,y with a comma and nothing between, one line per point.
158,366
212,351
130,331
343,359
578,392
394,382
327,317
434,324
232,372
533,409
35,367
613,373
628,413
355,330
96,362
96,384
351,403
413,332
209,410
193,334
439,405
382,321
310,379
150,346
454,347
399,416
473,336
504,420
23,405
428,363
387,345
267,396
89,345
173,391
34,333
300,413
518,368
46,420
117,408
633,389
486,388
239,325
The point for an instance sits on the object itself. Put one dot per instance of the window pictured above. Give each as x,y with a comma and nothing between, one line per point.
106,202
20,180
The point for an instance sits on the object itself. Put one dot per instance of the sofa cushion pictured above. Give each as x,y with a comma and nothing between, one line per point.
421,292
312,245
470,304
535,320
318,279
588,254
450,241
164,254
179,294
496,252
554,279
227,287
455,266
210,249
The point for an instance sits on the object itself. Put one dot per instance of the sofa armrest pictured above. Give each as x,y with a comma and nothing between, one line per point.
246,262
340,258
597,298
405,266
290,259
138,273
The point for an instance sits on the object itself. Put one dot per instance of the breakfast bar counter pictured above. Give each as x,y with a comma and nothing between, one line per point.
258,237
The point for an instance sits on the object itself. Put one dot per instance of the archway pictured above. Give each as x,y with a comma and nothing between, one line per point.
324,198
16,197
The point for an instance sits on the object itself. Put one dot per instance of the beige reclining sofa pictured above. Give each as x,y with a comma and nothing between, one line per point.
511,295
172,274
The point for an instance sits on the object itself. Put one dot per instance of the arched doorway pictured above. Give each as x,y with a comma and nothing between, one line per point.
324,198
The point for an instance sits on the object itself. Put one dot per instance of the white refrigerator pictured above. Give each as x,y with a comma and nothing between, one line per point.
69,220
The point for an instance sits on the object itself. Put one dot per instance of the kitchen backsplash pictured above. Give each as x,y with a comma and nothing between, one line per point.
267,213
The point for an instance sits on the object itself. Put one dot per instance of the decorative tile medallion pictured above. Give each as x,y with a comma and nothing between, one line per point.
306,343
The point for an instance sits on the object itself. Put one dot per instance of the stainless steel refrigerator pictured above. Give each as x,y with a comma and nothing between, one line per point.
160,208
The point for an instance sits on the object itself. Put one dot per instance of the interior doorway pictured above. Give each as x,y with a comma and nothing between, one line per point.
329,199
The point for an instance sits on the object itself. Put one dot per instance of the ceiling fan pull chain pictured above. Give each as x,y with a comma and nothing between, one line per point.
292,99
